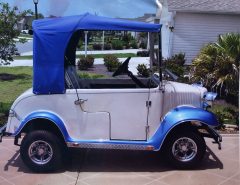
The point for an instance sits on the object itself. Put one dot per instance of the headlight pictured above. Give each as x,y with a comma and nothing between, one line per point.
208,99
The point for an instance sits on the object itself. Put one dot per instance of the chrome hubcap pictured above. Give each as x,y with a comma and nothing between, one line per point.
184,149
40,152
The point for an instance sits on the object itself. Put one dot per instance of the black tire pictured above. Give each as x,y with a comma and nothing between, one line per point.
41,144
185,157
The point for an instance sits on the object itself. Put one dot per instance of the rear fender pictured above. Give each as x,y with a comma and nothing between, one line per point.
48,116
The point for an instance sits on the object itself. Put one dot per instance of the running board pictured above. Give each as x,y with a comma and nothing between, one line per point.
110,146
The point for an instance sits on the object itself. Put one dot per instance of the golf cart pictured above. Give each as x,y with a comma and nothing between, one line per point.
64,111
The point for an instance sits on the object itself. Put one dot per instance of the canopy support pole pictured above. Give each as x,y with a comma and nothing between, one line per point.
160,57
151,50
103,40
86,33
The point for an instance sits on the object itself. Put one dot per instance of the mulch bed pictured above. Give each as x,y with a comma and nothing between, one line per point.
228,131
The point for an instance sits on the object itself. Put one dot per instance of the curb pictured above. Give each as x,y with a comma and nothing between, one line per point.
229,135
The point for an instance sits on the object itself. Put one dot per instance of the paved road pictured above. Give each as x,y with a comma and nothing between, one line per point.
92,167
25,47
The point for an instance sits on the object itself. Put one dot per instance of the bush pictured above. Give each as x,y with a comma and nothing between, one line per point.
85,62
217,66
126,45
127,37
175,64
111,62
117,44
179,59
80,44
97,47
226,114
143,53
133,44
143,45
107,47
143,70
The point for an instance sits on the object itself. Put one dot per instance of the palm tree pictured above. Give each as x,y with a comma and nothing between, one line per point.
217,65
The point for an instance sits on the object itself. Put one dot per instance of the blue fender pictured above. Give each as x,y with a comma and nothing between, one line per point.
48,116
177,116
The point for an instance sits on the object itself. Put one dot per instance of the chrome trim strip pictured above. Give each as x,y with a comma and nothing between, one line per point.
109,146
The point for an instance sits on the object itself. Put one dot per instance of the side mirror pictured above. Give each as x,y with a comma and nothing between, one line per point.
30,32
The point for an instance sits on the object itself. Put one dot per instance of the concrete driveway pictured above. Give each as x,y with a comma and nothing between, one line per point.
102,167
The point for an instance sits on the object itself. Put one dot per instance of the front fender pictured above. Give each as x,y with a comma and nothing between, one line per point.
180,115
44,115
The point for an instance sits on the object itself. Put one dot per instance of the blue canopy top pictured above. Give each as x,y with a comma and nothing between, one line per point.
51,38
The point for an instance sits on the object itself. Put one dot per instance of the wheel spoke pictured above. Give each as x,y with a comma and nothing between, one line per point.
185,155
49,153
40,152
41,158
33,153
184,149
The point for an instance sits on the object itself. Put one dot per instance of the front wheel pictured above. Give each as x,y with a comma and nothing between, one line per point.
41,151
185,149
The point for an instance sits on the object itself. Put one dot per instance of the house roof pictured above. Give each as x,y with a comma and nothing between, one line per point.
145,17
207,6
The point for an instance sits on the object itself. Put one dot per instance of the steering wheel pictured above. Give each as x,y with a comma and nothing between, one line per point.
123,69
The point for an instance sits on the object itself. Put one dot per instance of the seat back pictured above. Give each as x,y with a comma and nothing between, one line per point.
71,78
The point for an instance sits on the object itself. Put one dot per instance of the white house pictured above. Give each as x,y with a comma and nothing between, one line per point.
188,25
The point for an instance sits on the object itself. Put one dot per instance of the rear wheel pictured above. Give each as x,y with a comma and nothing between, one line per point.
41,151
185,150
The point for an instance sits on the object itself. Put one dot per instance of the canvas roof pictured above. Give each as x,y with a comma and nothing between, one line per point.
51,38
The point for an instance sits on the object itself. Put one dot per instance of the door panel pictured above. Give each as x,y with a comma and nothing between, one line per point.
95,126
127,110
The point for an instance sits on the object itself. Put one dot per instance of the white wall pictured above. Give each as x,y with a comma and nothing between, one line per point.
193,30
166,21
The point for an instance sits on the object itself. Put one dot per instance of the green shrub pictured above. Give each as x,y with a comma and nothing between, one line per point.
133,44
111,62
179,58
143,45
80,44
97,46
107,47
226,114
127,37
126,45
175,64
143,70
85,62
143,53
117,44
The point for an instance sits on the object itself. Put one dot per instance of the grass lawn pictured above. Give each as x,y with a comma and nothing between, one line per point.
13,81
25,35
119,55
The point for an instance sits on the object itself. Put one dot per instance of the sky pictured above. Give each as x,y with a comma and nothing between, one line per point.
109,8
